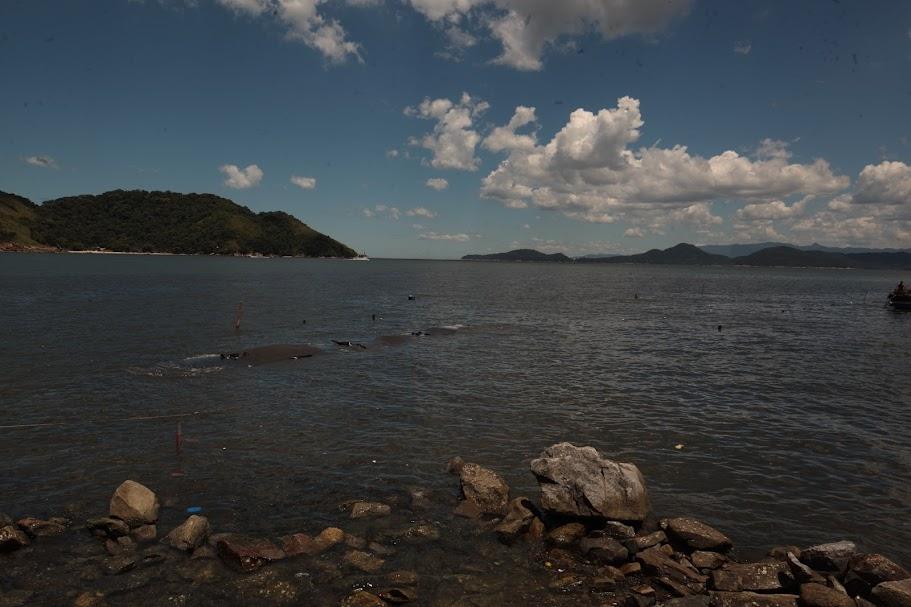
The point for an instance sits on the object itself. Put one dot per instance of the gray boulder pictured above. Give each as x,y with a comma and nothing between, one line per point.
695,534
135,504
580,481
894,594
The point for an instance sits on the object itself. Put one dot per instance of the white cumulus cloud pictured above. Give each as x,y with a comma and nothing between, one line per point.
421,212
305,183
437,183
382,210
445,237
41,161
453,141
241,179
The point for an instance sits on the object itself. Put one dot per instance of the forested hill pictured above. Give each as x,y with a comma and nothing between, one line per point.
162,222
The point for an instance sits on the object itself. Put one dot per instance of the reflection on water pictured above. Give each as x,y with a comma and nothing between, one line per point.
791,416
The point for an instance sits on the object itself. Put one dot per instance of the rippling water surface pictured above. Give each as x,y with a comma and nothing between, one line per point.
794,416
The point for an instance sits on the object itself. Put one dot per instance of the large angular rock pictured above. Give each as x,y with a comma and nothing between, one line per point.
751,599
764,576
894,594
829,557
12,538
190,535
604,550
135,504
819,595
518,518
656,562
875,569
696,535
580,481
247,553
484,488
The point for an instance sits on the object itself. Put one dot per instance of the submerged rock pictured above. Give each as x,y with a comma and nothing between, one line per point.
191,534
517,520
12,538
38,528
370,509
106,526
247,553
364,561
580,481
135,504
696,535
145,533
566,535
484,488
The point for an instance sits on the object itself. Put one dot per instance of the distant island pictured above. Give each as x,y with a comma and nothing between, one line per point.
138,221
691,255
520,255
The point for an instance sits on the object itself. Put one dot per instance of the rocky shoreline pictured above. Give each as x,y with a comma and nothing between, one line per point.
590,538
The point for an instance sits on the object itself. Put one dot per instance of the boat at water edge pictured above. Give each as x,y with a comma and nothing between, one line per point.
900,300
360,257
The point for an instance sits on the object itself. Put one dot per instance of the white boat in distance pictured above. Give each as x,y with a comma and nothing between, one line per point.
360,257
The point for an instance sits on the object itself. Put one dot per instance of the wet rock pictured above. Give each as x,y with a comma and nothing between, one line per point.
643,590
402,578
135,504
566,535
580,481
751,599
12,538
634,568
35,527
829,557
567,583
875,569
370,509
617,530
656,562
353,541
421,532
298,544
362,598
764,576
703,559
398,596
604,550
801,572
89,599
485,489
696,535
121,564
781,552
145,533
647,541
701,600
832,582
536,530
468,510
817,595
517,520
189,535
106,526
327,538
364,561
455,465
247,553
894,594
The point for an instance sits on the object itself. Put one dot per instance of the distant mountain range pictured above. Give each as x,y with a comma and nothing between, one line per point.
157,222
687,254
519,255
739,250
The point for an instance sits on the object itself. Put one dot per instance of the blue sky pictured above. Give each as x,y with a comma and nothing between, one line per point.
409,123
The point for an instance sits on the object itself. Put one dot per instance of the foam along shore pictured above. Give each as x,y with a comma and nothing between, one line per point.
590,538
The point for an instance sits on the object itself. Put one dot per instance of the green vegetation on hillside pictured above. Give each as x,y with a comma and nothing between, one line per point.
161,222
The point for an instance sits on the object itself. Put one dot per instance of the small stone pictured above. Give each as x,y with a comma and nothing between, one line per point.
644,590
817,595
362,598
402,578
894,594
751,599
121,564
696,535
604,550
518,518
89,599
536,529
364,561
12,538
634,568
246,553
829,557
421,532
484,488
106,526
566,535
370,509
397,596
189,535
298,544
328,537
647,541
135,504
39,528
617,530
707,560
145,533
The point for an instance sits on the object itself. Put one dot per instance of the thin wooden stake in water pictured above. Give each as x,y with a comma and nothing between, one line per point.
238,316
179,438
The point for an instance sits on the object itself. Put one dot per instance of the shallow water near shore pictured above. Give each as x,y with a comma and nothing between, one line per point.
792,417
